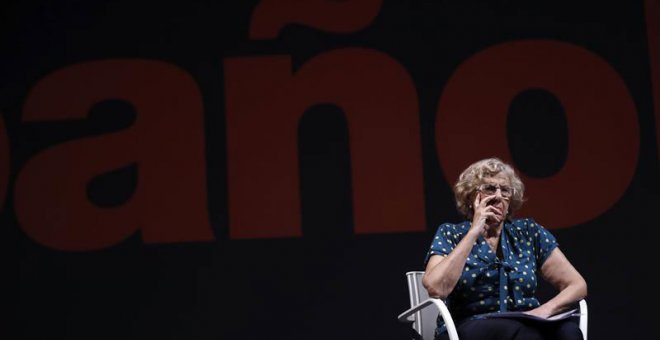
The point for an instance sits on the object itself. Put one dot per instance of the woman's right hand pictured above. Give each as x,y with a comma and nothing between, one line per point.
484,213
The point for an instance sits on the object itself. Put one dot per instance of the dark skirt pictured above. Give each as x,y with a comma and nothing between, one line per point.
501,329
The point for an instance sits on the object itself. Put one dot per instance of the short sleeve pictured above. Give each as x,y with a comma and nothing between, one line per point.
443,241
544,242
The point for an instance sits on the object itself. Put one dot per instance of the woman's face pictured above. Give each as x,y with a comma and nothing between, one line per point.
499,187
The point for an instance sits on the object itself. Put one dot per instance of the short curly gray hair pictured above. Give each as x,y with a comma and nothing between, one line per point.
474,175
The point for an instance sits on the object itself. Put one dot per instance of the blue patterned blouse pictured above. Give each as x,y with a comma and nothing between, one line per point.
491,284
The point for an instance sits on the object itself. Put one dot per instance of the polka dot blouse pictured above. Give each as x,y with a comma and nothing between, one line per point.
489,283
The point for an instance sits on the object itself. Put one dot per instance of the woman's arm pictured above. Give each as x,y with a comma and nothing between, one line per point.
559,272
442,272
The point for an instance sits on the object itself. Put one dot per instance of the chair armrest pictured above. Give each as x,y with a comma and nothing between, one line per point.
407,316
584,318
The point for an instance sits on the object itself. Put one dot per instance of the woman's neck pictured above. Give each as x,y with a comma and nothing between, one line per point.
493,231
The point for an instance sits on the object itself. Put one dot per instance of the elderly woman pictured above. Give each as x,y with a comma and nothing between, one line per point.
489,262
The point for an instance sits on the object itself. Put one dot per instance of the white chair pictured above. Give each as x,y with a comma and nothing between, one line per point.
424,310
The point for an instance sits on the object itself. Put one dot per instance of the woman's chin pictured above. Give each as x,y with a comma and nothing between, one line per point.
493,222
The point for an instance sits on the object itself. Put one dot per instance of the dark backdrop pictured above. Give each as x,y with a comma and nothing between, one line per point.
329,282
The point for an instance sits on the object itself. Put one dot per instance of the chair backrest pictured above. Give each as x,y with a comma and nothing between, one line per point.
425,320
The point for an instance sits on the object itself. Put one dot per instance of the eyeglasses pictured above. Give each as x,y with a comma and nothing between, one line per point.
490,189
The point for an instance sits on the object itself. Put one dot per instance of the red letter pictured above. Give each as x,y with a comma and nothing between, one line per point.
653,34
166,142
4,163
264,105
270,16
601,116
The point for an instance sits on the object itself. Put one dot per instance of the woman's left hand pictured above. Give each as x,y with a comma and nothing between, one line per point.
539,312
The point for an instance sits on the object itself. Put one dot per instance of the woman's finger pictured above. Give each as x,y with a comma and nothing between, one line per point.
477,200
487,199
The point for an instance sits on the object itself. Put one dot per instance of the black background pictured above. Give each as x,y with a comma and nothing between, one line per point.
330,283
